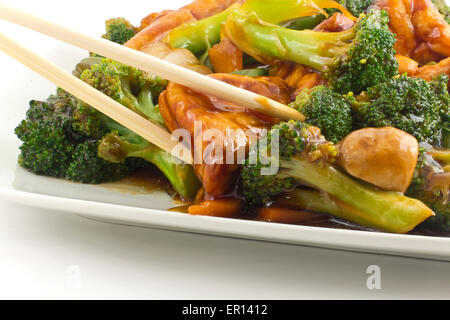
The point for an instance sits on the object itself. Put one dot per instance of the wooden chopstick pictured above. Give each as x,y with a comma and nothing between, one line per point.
159,67
143,127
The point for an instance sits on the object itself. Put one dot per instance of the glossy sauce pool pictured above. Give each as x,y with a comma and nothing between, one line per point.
152,180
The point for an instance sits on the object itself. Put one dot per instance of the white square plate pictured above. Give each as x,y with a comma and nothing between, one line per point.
148,210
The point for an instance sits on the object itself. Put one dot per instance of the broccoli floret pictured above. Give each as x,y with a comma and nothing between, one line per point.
352,60
410,104
431,184
87,167
53,147
357,7
86,63
327,110
305,157
443,8
118,148
46,149
119,30
135,89
316,201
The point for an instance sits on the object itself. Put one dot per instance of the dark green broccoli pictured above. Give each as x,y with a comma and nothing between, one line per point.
133,88
137,91
305,157
53,147
410,104
87,167
327,110
443,8
352,60
431,184
356,7
119,30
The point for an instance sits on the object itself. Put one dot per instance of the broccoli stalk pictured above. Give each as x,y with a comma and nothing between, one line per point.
327,110
431,184
303,23
305,157
352,60
119,30
200,35
320,202
409,104
117,148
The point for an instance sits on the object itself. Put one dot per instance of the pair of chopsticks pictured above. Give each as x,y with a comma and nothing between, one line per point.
136,59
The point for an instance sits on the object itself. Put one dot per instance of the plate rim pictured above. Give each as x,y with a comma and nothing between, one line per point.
414,246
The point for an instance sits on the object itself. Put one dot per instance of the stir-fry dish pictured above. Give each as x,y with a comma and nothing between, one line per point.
371,78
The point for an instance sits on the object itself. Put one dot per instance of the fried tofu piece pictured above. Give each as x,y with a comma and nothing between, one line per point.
400,15
432,71
407,65
183,108
431,27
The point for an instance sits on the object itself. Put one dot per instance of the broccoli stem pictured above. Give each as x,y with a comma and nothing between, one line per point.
142,104
317,201
276,11
116,149
85,64
268,42
388,211
352,60
200,35
441,155
148,108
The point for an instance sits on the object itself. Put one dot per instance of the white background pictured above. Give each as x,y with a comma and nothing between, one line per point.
42,252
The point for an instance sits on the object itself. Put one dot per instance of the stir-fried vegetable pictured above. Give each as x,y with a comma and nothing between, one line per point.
352,60
370,76
200,35
305,157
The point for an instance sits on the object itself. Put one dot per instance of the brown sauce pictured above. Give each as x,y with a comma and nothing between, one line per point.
151,180
145,181
305,218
